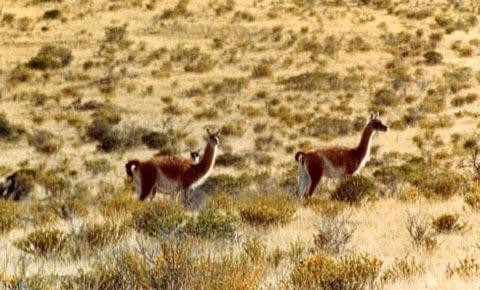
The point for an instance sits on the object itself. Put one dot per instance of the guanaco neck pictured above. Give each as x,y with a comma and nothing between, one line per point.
362,149
208,159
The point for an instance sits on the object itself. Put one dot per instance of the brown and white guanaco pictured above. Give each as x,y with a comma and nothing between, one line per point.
336,161
173,173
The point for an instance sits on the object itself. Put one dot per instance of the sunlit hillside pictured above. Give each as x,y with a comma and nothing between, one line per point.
86,86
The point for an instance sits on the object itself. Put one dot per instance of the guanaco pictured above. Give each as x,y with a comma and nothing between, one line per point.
173,173
336,161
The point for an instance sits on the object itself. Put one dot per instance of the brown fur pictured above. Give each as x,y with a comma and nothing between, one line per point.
179,171
342,161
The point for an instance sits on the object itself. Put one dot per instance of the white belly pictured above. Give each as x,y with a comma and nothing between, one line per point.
330,171
165,183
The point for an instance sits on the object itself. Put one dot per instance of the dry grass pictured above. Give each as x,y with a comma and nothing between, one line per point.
131,79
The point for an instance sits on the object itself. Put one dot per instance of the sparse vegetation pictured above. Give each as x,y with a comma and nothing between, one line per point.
84,88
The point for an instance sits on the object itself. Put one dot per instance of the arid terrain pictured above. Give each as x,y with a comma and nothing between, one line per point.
86,86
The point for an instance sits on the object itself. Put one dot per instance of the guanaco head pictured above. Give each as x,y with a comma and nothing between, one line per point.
213,138
376,124
195,155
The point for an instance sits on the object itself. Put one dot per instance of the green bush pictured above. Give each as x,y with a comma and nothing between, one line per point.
158,218
51,57
269,209
319,271
9,215
211,223
44,141
43,242
354,189
447,223
404,268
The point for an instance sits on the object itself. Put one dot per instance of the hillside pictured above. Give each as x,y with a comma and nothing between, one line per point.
88,85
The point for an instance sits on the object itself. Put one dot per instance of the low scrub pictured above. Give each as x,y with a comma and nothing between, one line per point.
269,209
354,189
43,242
334,233
402,269
319,271
9,214
158,218
211,223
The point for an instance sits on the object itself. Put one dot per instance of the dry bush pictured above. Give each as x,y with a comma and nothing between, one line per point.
44,141
448,223
173,266
472,198
43,242
254,249
9,215
227,183
432,57
231,160
334,233
402,269
268,209
92,237
7,130
466,268
419,229
97,166
328,128
212,223
121,205
158,218
354,189
314,81
263,70
179,10
325,207
51,57
319,271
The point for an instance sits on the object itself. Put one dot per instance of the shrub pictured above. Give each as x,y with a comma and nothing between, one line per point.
313,81
155,140
227,86
319,271
9,215
447,223
254,249
354,189
385,97
179,10
203,64
262,71
328,128
43,242
173,266
96,236
211,223
98,166
432,57
121,205
51,57
276,208
466,268
404,268
51,14
473,199
44,141
226,183
420,232
158,218
7,130
334,233
230,159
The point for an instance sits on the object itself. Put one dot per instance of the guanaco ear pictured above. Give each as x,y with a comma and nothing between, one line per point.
372,116
218,132
208,132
